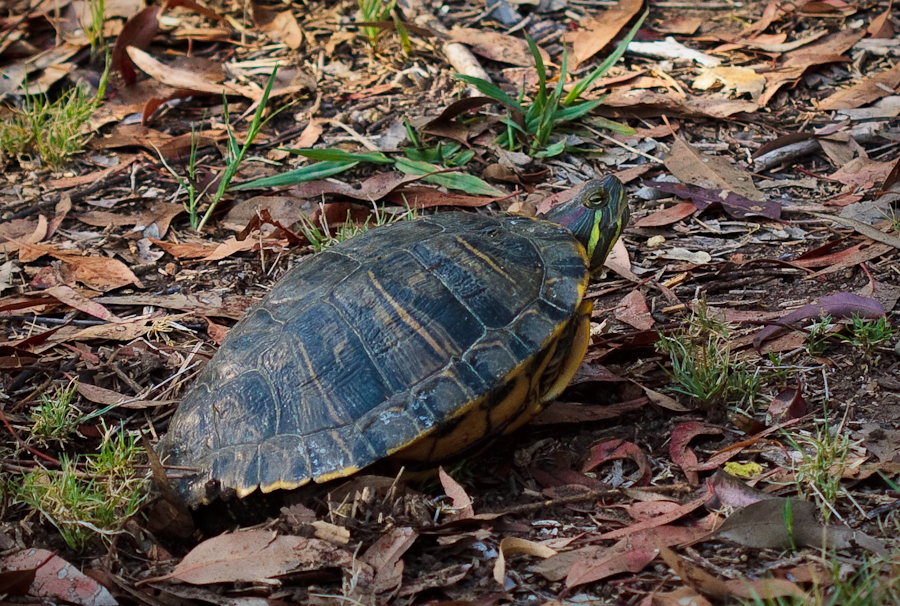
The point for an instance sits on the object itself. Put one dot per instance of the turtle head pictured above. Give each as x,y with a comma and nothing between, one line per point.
596,215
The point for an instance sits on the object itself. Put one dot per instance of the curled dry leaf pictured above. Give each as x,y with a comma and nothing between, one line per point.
462,502
511,546
683,456
631,554
384,558
615,450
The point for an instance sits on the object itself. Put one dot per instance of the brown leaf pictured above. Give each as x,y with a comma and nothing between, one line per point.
108,397
633,310
77,301
511,546
683,596
57,580
614,450
567,412
829,49
255,556
139,32
643,102
429,197
186,79
714,587
864,92
462,502
686,26
863,172
714,172
281,25
780,523
774,523
373,188
384,557
661,520
99,273
683,456
667,216
788,404
200,303
880,27
497,47
632,554
600,31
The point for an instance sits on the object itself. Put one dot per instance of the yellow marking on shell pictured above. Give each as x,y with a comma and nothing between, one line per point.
408,319
341,473
484,258
535,403
327,401
282,485
513,405
581,339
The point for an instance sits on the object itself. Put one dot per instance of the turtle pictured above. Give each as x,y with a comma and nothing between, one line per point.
421,340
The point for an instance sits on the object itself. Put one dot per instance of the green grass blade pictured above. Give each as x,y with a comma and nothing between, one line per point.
611,125
552,150
319,170
582,86
574,112
493,91
541,71
462,182
337,155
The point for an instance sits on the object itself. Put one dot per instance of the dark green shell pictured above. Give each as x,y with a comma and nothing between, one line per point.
373,344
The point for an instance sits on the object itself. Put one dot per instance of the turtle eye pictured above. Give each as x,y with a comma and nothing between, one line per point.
597,199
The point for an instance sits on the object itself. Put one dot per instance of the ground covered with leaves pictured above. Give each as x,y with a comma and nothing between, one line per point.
732,435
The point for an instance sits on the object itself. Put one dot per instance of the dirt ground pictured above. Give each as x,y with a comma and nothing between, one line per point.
732,432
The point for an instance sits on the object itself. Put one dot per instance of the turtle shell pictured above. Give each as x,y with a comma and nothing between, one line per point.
423,337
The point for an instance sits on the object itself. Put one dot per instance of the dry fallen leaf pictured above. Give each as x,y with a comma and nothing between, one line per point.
256,556
714,172
741,80
600,31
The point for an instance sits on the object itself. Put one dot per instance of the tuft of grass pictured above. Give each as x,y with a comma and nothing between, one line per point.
55,419
189,182
322,236
823,459
817,336
377,10
94,30
531,124
95,500
869,334
54,129
703,366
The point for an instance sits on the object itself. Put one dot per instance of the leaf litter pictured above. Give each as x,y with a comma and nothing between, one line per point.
105,281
